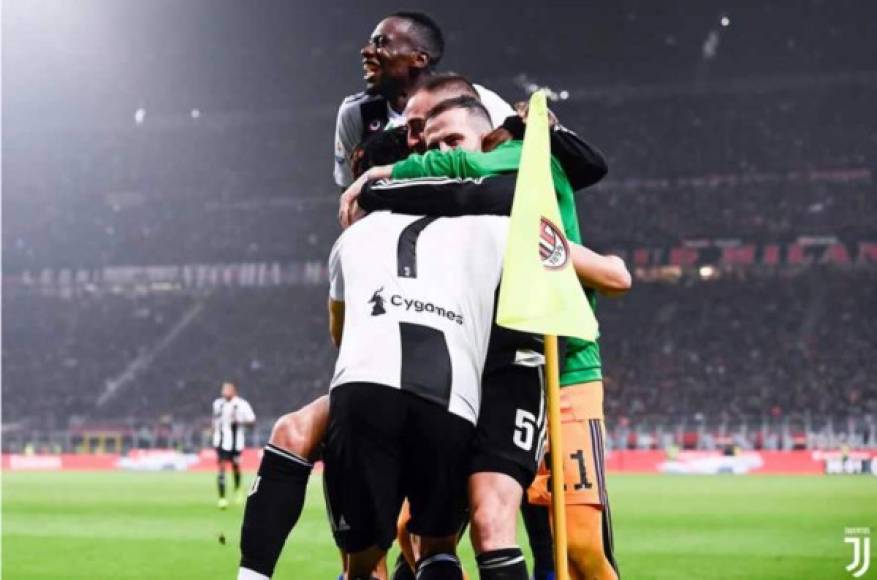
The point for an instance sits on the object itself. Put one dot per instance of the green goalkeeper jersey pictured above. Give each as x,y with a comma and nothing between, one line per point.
582,360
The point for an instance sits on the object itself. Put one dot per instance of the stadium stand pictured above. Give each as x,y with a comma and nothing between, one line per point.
741,152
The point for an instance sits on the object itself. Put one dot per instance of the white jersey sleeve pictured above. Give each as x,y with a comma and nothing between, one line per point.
245,412
217,422
497,107
348,130
336,274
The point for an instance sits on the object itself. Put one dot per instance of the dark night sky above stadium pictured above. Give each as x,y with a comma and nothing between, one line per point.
121,116
97,61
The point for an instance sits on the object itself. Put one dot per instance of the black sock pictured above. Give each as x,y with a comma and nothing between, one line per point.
505,564
402,571
274,505
538,525
236,471
439,567
220,483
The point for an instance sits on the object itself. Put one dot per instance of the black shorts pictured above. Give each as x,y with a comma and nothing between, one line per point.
223,455
510,436
384,445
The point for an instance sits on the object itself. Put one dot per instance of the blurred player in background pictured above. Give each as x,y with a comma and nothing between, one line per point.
275,504
403,51
231,414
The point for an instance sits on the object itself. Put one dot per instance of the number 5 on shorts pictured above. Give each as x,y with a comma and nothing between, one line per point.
525,429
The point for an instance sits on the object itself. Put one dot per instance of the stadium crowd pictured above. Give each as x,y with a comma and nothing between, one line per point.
744,348
190,193
740,155
736,350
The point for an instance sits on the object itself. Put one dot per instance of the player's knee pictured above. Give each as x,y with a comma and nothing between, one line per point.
291,433
302,431
493,525
584,548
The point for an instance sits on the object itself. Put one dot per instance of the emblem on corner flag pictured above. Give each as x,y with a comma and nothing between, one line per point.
553,247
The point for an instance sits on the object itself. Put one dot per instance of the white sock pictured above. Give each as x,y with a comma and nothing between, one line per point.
247,574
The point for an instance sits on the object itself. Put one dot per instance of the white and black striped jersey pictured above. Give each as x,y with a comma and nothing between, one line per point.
228,419
362,114
419,299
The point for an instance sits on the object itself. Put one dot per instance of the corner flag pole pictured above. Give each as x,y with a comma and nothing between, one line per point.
555,443
540,293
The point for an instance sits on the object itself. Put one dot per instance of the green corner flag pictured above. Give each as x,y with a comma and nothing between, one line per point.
540,292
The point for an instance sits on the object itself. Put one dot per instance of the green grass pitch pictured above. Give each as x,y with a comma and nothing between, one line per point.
116,525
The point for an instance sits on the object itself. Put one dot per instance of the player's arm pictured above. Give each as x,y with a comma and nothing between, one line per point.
583,164
449,197
347,128
436,163
214,420
336,294
608,274
246,416
336,321
491,195
454,164
347,204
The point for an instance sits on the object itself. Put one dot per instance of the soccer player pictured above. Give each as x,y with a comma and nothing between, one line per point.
503,465
276,502
492,483
590,549
512,416
406,392
432,91
277,495
231,414
582,164
403,51
495,454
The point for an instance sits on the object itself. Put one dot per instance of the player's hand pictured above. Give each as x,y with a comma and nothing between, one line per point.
348,198
356,213
522,108
495,138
